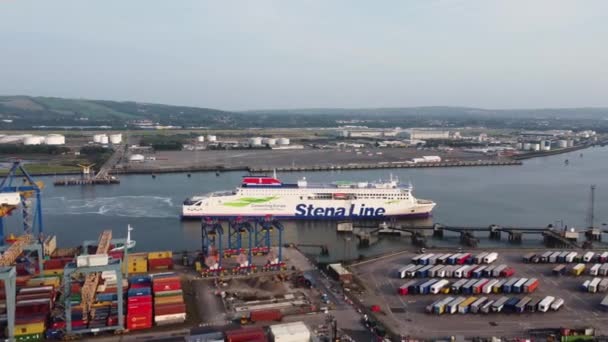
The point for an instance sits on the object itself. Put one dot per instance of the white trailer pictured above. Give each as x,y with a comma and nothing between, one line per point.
593,285
402,272
553,257
478,259
412,272
436,288
449,271
433,270
477,304
452,306
489,286
440,273
557,304
603,286
604,270
545,257
490,258
595,269
570,257
499,304
587,257
460,272
545,304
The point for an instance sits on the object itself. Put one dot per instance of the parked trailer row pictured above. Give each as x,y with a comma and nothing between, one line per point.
469,286
565,257
455,259
454,271
595,285
484,305
580,268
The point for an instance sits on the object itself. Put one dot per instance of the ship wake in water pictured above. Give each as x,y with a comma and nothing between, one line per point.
120,206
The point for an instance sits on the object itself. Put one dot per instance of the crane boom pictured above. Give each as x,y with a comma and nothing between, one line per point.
14,251
92,279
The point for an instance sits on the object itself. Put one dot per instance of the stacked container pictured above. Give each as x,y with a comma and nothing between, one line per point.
136,263
139,303
105,311
169,307
33,305
160,261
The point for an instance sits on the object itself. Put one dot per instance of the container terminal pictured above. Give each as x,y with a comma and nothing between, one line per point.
247,284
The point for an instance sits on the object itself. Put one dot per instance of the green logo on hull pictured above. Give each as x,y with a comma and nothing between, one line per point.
245,201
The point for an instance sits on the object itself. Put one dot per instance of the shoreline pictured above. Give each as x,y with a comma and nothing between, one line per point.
513,161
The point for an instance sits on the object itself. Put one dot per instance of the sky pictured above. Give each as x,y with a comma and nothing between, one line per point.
238,55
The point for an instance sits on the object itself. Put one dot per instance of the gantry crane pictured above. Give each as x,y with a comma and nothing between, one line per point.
92,279
12,194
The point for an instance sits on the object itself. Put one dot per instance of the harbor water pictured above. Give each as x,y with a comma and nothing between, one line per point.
542,191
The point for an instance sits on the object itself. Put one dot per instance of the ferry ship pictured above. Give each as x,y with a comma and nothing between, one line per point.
260,196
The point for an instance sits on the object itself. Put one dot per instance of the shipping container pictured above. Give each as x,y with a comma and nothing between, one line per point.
169,319
290,332
559,270
478,286
404,289
585,285
416,258
267,315
438,286
463,307
474,308
490,258
411,273
402,272
449,271
545,257
487,272
595,269
604,270
433,270
497,288
497,271
498,304
440,273
453,259
433,259
557,304
452,307
160,255
413,289
461,272
246,335
531,285
458,285
544,304
424,272
507,272
527,258
520,307
510,305
519,286
424,260
169,309
462,259
533,304
478,259
570,257
578,269
439,307
603,257
443,259
478,272
553,257
588,257
593,285
603,286
487,288
425,287
508,286
487,307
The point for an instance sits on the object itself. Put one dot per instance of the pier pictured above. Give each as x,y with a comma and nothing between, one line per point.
102,177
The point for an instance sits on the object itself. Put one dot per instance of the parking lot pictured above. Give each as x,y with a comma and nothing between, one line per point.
406,314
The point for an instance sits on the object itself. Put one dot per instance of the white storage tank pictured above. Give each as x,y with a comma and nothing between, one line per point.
116,138
104,140
283,141
535,147
97,138
527,146
200,138
562,143
269,141
211,138
137,158
33,140
290,332
255,141
570,143
54,139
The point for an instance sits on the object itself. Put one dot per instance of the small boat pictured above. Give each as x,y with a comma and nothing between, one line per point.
130,243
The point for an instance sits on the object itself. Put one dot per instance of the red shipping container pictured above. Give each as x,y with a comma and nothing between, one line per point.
246,335
265,315
169,309
166,286
131,318
507,272
139,286
112,320
139,309
139,300
403,290
139,326
155,263
116,255
533,286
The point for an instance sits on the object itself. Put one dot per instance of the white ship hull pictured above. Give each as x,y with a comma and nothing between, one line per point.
359,201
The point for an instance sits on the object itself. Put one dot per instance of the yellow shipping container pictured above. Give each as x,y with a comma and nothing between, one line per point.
44,281
58,272
30,328
135,268
160,255
169,300
197,266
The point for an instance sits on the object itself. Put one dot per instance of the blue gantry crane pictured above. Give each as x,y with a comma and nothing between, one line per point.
24,185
